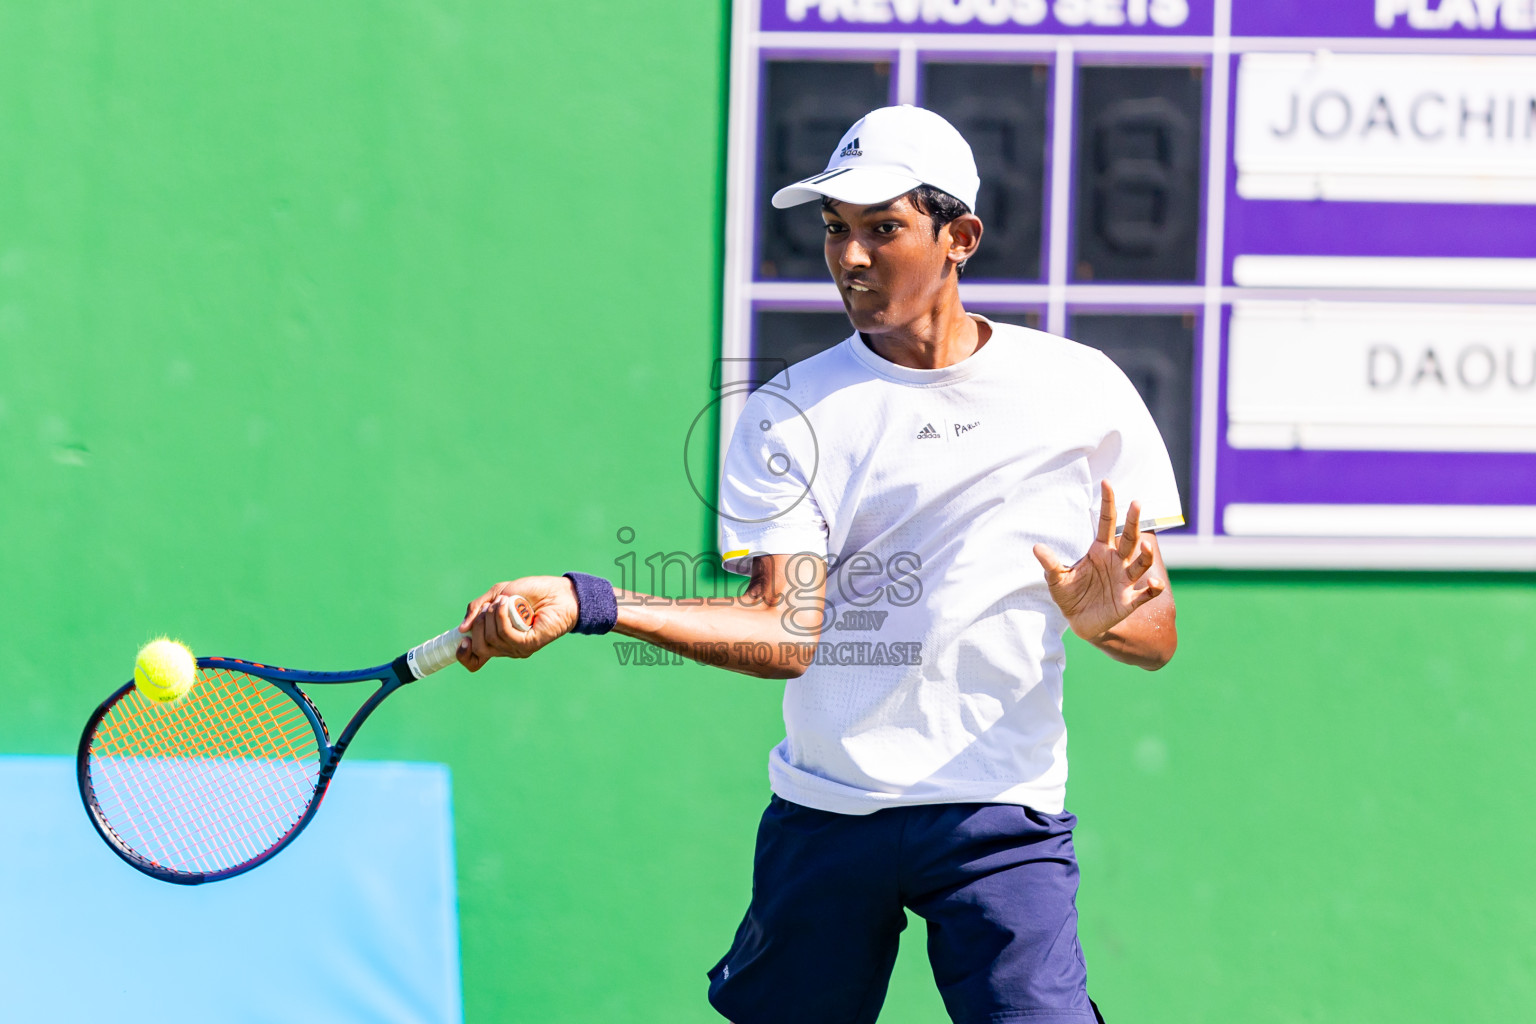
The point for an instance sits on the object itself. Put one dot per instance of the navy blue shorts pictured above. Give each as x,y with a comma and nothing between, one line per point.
996,883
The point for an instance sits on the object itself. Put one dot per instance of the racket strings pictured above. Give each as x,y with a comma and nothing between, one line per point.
210,781
215,783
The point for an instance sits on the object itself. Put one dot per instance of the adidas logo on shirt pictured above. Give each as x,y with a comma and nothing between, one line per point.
927,432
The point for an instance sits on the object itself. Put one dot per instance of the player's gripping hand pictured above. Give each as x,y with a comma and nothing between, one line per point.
1108,583
488,628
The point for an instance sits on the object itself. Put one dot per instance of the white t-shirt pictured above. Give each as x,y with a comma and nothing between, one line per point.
926,491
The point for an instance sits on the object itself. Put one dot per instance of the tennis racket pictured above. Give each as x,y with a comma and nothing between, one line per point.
218,781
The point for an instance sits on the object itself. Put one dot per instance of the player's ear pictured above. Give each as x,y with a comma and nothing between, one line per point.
964,237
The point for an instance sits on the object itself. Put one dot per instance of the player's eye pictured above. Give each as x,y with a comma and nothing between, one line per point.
834,228
889,227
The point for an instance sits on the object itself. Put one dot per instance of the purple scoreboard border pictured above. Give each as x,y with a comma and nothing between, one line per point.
1372,229
1348,19
1086,56
1333,19
1256,227
1200,21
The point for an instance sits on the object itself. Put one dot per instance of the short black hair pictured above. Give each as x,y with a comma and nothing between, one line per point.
939,206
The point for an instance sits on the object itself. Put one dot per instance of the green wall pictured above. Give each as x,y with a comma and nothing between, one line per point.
316,319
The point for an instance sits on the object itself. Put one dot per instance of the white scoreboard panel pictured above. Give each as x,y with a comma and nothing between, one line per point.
1306,231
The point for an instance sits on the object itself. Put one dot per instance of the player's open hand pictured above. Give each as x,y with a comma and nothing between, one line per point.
1110,581
488,628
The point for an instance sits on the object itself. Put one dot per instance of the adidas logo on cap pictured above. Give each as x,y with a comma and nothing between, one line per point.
852,149
927,432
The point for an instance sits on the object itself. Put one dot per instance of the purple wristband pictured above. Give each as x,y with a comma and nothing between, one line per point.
597,608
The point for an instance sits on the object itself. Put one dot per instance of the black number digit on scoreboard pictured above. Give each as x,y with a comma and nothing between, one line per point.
1138,173
1157,352
784,338
808,106
1000,109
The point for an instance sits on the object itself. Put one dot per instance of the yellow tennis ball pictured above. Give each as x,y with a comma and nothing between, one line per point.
164,670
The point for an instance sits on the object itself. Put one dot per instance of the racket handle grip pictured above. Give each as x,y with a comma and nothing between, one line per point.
442,651
437,653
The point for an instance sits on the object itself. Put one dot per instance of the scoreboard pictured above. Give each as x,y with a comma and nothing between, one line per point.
1306,231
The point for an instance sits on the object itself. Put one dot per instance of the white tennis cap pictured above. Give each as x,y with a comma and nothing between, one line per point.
889,152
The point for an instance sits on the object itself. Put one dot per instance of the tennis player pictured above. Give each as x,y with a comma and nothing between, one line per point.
885,497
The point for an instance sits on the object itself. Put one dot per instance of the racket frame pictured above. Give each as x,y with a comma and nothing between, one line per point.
391,677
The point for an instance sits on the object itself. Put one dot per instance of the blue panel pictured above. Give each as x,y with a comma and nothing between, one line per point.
356,921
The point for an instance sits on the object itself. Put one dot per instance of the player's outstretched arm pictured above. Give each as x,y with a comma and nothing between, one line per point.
775,610
1117,595
776,614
